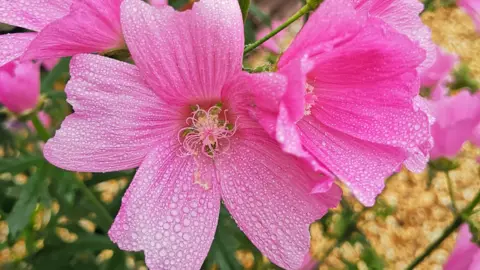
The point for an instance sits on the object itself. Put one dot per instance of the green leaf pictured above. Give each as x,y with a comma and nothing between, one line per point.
57,72
371,259
32,191
19,164
244,6
443,165
62,255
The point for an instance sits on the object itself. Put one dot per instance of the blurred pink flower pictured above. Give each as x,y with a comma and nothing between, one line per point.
44,119
159,3
351,108
472,8
440,70
19,86
403,16
274,43
456,117
465,255
182,115
64,28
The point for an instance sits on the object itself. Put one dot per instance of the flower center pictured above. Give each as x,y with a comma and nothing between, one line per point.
207,133
310,98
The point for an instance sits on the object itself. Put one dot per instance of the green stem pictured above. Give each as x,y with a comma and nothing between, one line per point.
451,193
41,130
104,218
304,10
459,220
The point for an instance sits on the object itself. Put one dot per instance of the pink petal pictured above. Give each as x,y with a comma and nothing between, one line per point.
272,44
159,3
440,69
464,253
20,86
472,8
12,46
90,26
334,22
362,165
117,118
456,120
268,195
186,57
403,16
33,14
165,214
476,135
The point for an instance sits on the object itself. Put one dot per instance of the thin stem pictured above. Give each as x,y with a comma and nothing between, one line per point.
459,220
105,220
451,192
41,130
304,10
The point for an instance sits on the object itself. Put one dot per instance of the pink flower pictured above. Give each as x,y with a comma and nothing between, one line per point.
472,8
274,43
403,16
64,28
182,115
465,255
351,108
456,117
159,3
440,70
44,119
19,86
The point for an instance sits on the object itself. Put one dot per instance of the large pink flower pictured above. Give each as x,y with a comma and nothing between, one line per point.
356,113
182,116
465,255
439,72
20,86
403,16
456,118
159,3
64,27
472,8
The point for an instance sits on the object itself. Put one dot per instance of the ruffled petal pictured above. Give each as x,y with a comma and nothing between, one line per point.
186,57
12,46
268,195
165,214
362,165
438,72
117,118
333,23
33,14
403,16
90,26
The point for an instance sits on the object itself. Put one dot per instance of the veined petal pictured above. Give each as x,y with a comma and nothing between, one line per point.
32,14
90,26
186,57
12,46
362,165
268,195
117,118
166,214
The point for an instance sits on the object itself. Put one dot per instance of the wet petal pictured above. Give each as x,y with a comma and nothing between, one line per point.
33,14
117,118
90,26
186,57
165,214
271,201
12,46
